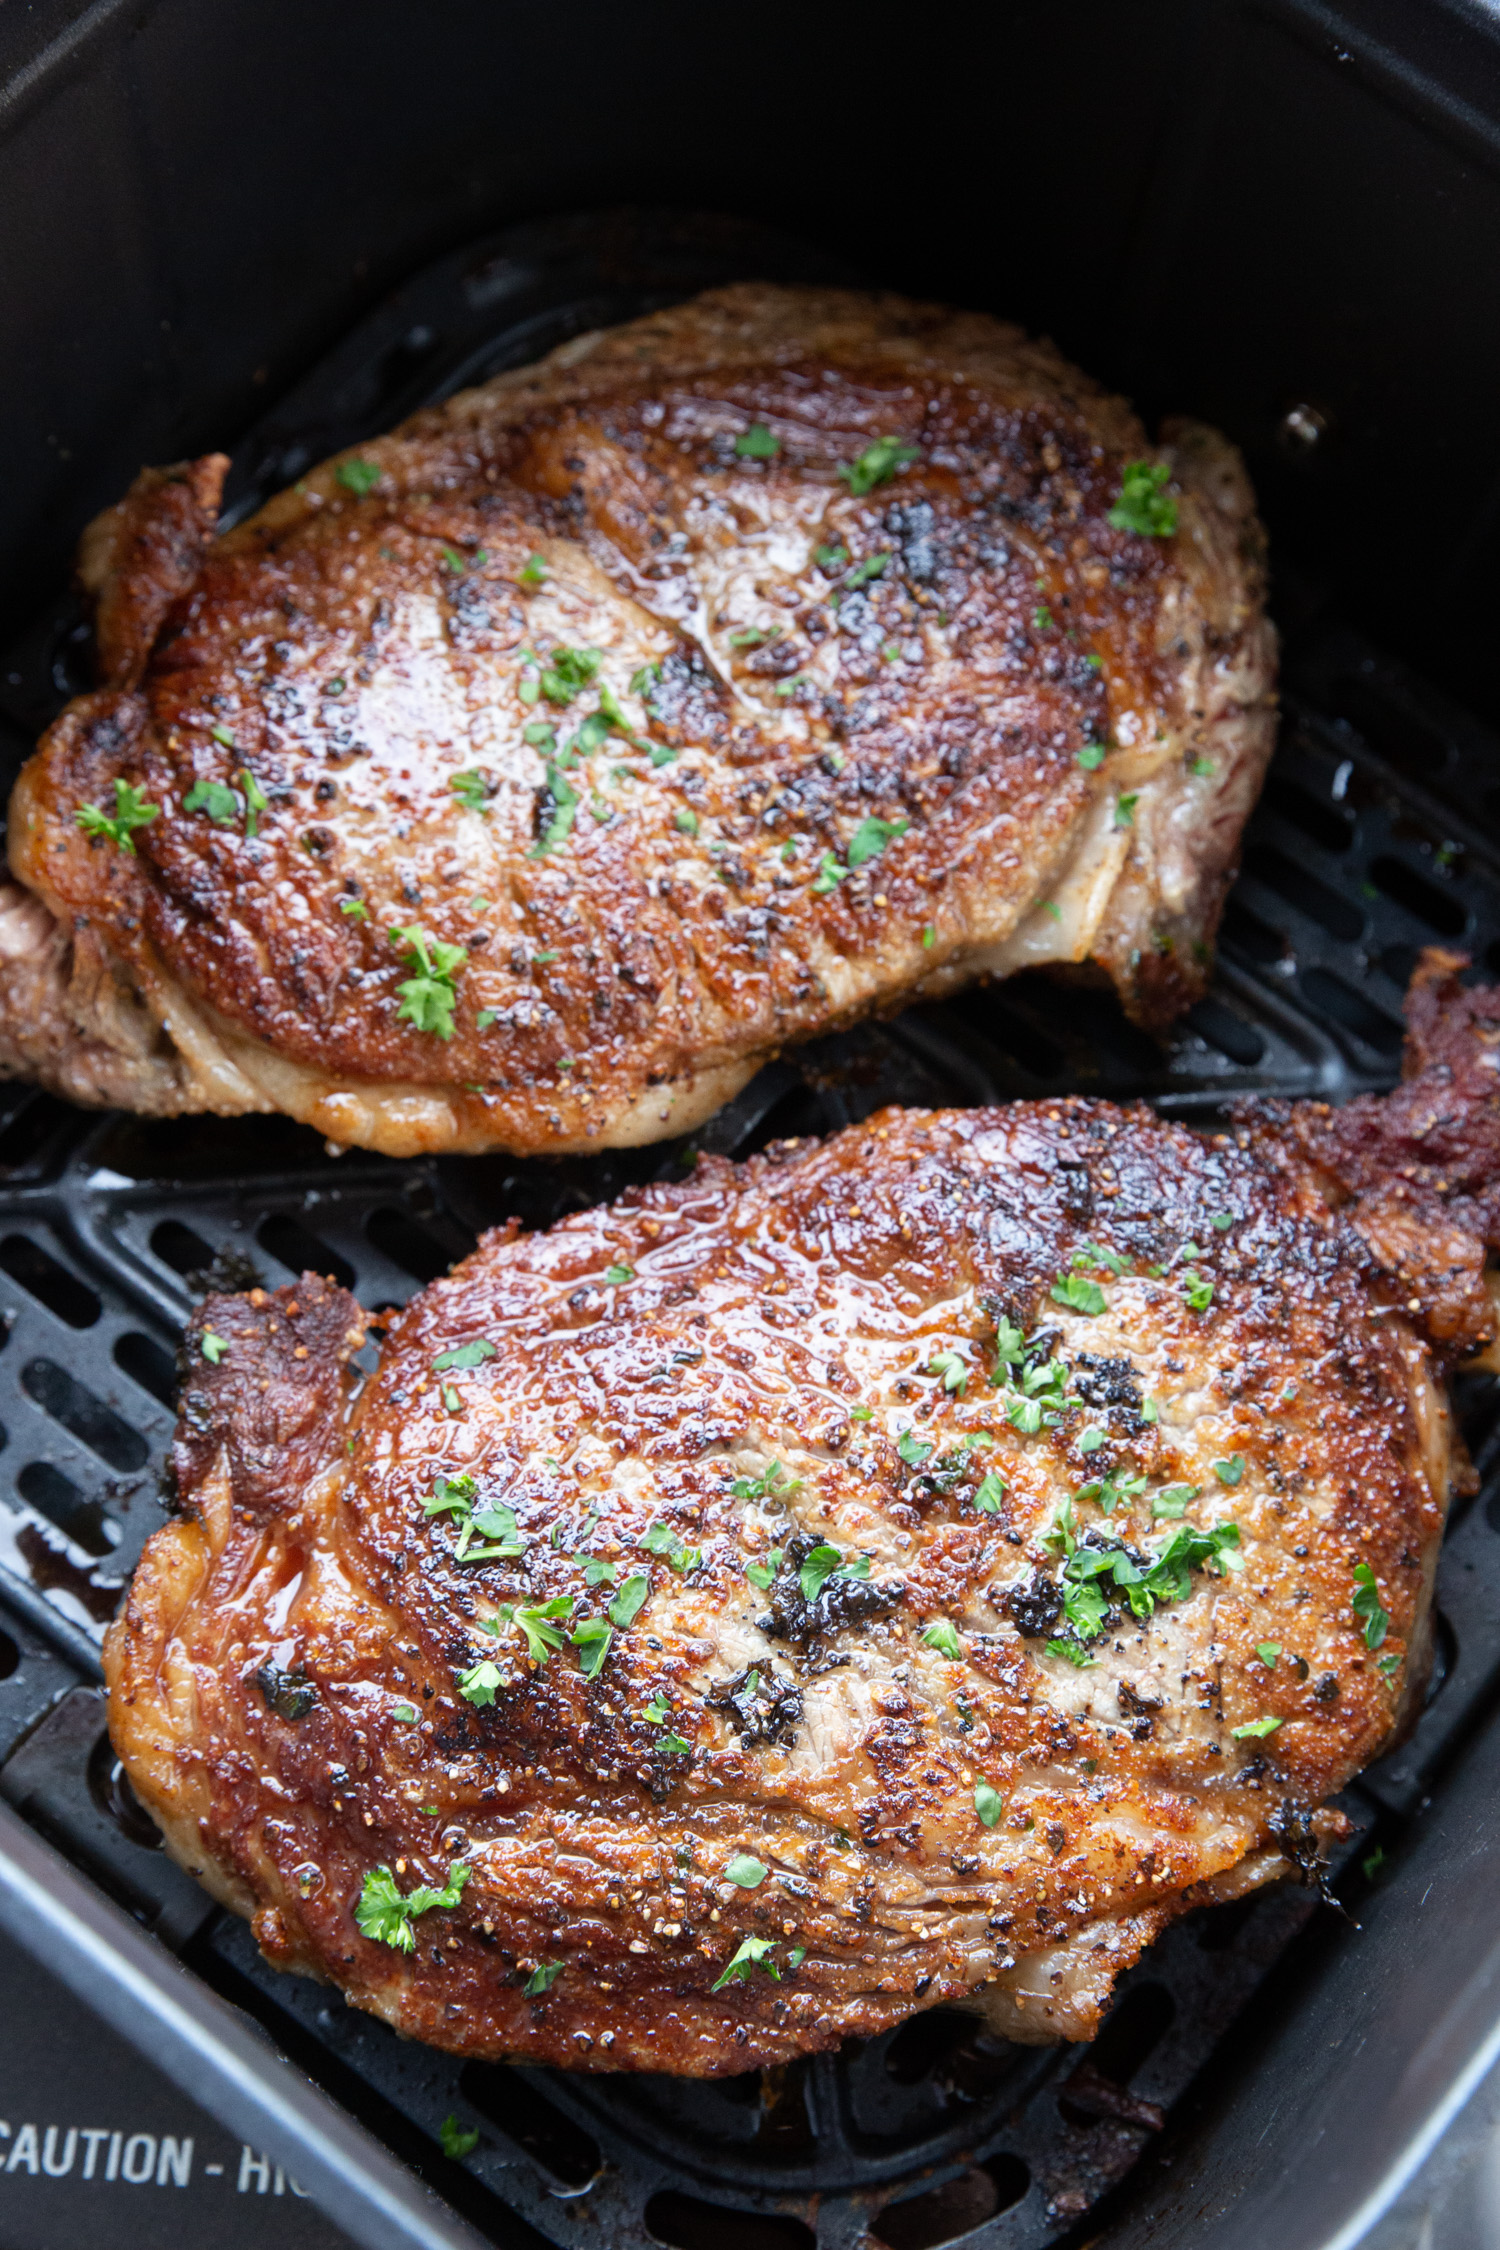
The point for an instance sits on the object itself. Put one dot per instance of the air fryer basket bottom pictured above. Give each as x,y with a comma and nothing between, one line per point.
1376,835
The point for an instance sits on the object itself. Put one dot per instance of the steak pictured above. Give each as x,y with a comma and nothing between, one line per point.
527,778
726,1622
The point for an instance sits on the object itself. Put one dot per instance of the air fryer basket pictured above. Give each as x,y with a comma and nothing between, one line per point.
1372,839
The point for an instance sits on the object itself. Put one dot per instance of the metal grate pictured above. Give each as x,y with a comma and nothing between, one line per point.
1373,838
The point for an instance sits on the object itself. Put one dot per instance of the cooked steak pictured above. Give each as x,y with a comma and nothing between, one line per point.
528,777
911,1568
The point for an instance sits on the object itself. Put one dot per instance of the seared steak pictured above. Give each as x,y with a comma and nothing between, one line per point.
527,778
911,1568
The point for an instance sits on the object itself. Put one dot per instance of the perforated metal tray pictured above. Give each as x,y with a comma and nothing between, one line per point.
1376,835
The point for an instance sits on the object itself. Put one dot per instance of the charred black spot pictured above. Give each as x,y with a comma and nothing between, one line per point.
762,1703
1105,1382
1034,1606
290,1693
840,1601
1326,1689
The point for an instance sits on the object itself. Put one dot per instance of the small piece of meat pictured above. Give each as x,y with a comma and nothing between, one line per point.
622,1641
528,778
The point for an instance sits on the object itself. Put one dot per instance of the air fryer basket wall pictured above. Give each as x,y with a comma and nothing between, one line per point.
1231,210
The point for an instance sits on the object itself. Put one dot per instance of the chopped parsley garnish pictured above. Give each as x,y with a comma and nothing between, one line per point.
831,558
871,837
1268,1651
661,1539
405,1714
1230,1471
763,1574
541,1979
912,1449
989,1493
592,1638
1143,505
256,801
988,1803
466,1355
826,1562
757,444
455,562
532,571
1365,1603
1080,1295
861,1413
568,673
216,799
1202,768
1091,756
428,995
877,465
212,1347
631,1599
619,1273
471,789
1095,1254
772,1478
1094,1563
1372,1863
1256,1729
131,812
480,1684
829,875
1041,618
953,1368
457,2140
1172,1500
382,1913
686,822
1222,1221
484,1534
746,1870
1076,1654
755,1953
536,1621
943,1636
1125,809
929,934
873,566
355,908
1051,908
1198,1292
358,477
563,798
1388,1667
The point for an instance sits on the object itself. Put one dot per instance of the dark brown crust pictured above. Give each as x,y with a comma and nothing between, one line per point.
670,935
139,558
645,1357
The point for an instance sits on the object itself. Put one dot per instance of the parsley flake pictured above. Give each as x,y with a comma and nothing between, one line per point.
989,1493
873,566
825,1562
1230,1471
912,1449
746,1870
592,1638
457,2140
532,571
1079,1294
471,789
480,1683
829,875
617,1274
212,1347
943,1636
831,558
877,465
216,799
569,673
466,1355
256,801
757,443
541,1979
1125,809
1268,1651
871,837
428,995
1143,506
131,812
1091,756
355,908
383,1914
988,1803
1365,1603
359,477
754,1953
1256,1729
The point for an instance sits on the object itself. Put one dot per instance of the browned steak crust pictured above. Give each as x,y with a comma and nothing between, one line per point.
955,1780
829,754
